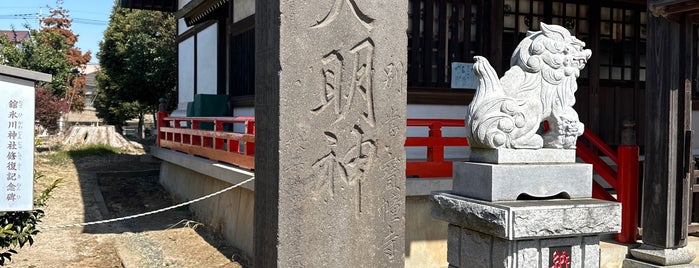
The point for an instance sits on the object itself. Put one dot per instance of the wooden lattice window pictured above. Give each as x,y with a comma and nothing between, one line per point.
521,16
439,33
242,63
622,43
575,18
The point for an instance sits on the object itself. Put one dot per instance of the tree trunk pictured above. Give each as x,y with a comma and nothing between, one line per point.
141,126
86,135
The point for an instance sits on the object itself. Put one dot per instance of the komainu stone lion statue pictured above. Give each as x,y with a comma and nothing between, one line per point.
540,86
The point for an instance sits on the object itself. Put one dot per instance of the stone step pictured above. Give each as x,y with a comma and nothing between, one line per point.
612,254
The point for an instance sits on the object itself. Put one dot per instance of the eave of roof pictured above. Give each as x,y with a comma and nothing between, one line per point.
158,5
675,8
197,11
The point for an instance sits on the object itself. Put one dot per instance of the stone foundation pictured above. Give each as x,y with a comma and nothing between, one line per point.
525,233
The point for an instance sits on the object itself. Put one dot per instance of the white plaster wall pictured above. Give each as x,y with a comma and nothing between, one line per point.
242,111
230,213
207,60
242,9
437,112
185,73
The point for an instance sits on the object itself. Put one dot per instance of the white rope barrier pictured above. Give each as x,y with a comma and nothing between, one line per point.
147,213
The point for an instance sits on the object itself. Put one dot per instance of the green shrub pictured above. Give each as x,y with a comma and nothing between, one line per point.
18,227
85,151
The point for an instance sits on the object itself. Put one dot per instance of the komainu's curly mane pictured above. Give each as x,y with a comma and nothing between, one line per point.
539,86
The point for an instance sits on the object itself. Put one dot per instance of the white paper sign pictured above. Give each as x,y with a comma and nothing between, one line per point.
16,147
462,75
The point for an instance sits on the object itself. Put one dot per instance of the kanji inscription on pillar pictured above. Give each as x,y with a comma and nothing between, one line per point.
16,147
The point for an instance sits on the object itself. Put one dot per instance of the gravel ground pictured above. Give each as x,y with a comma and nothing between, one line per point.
96,188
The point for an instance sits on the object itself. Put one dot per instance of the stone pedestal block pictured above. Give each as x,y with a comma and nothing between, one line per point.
525,233
507,182
522,156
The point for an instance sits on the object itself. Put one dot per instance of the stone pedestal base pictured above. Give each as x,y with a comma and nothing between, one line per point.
508,182
525,233
649,256
522,156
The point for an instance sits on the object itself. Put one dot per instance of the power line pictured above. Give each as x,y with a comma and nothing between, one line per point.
18,16
89,21
33,16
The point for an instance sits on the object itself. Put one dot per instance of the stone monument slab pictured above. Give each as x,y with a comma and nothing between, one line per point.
330,105
498,182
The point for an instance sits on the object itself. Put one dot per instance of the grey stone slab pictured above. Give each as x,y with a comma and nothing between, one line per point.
24,74
522,156
330,104
476,249
519,220
591,251
502,253
417,186
496,182
528,254
454,245
566,219
631,263
662,256
471,213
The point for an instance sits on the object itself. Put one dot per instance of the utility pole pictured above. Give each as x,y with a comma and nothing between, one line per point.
38,18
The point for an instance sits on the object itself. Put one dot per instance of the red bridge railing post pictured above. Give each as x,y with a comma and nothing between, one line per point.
435,150
627,194
249,129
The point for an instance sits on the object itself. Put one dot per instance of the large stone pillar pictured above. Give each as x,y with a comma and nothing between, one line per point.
330,106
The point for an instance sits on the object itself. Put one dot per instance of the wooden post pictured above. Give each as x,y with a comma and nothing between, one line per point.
492,47
666,182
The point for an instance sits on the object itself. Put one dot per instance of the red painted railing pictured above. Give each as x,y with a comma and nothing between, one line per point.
624,180
434,166
186,135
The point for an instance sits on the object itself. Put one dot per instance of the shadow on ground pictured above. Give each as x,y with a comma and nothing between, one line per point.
121,186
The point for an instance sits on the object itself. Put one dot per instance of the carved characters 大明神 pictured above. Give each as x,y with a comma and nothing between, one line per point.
539,86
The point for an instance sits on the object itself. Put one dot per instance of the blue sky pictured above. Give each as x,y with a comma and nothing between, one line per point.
90,18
